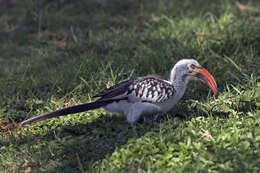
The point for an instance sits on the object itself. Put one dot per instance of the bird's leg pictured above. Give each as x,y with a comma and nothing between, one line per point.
131,117
139,109
157,116
148,120
134,113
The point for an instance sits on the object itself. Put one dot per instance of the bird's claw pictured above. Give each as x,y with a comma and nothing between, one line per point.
148,120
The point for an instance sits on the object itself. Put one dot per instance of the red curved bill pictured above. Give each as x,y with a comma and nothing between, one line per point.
207,78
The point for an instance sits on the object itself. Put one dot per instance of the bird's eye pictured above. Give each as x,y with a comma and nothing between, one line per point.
192,66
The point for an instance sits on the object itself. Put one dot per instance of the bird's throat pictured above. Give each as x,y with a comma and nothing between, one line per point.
179,81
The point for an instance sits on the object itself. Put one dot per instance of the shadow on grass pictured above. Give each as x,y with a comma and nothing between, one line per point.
92,142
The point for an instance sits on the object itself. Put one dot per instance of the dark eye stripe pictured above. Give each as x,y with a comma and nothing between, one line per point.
193,66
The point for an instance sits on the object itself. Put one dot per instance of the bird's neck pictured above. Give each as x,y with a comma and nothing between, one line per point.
178,80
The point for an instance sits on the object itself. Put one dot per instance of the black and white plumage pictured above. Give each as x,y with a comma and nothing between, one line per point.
142,96
154,89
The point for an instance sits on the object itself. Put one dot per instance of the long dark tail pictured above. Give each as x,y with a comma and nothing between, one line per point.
67,111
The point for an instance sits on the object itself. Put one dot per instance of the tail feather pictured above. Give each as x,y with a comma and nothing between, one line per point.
67,111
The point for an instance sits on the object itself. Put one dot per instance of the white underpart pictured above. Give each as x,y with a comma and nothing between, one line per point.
133,111
118,107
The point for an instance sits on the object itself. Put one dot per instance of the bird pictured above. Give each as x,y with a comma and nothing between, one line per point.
142,96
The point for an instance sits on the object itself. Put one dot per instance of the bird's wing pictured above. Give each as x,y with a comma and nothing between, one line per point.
116,91
150,88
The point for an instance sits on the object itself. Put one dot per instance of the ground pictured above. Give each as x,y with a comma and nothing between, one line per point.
55,54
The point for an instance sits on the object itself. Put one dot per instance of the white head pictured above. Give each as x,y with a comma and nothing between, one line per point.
187,69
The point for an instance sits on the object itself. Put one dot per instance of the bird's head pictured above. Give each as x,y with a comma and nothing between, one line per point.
187,69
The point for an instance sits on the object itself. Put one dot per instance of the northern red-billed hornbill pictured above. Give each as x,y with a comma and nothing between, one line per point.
142,96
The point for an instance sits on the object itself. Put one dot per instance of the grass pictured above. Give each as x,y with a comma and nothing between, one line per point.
60,53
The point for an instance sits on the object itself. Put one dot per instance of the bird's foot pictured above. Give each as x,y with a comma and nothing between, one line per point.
148,120
156,117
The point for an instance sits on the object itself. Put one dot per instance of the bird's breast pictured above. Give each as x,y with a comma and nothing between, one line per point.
171,102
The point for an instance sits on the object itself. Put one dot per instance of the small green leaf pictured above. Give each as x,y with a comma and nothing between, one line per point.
244,145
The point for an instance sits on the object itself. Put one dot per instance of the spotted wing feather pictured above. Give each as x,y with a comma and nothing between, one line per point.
150,88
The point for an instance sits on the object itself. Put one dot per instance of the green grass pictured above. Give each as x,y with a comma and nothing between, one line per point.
55,54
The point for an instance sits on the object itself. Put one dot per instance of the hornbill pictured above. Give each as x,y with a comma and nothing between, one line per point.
142,96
